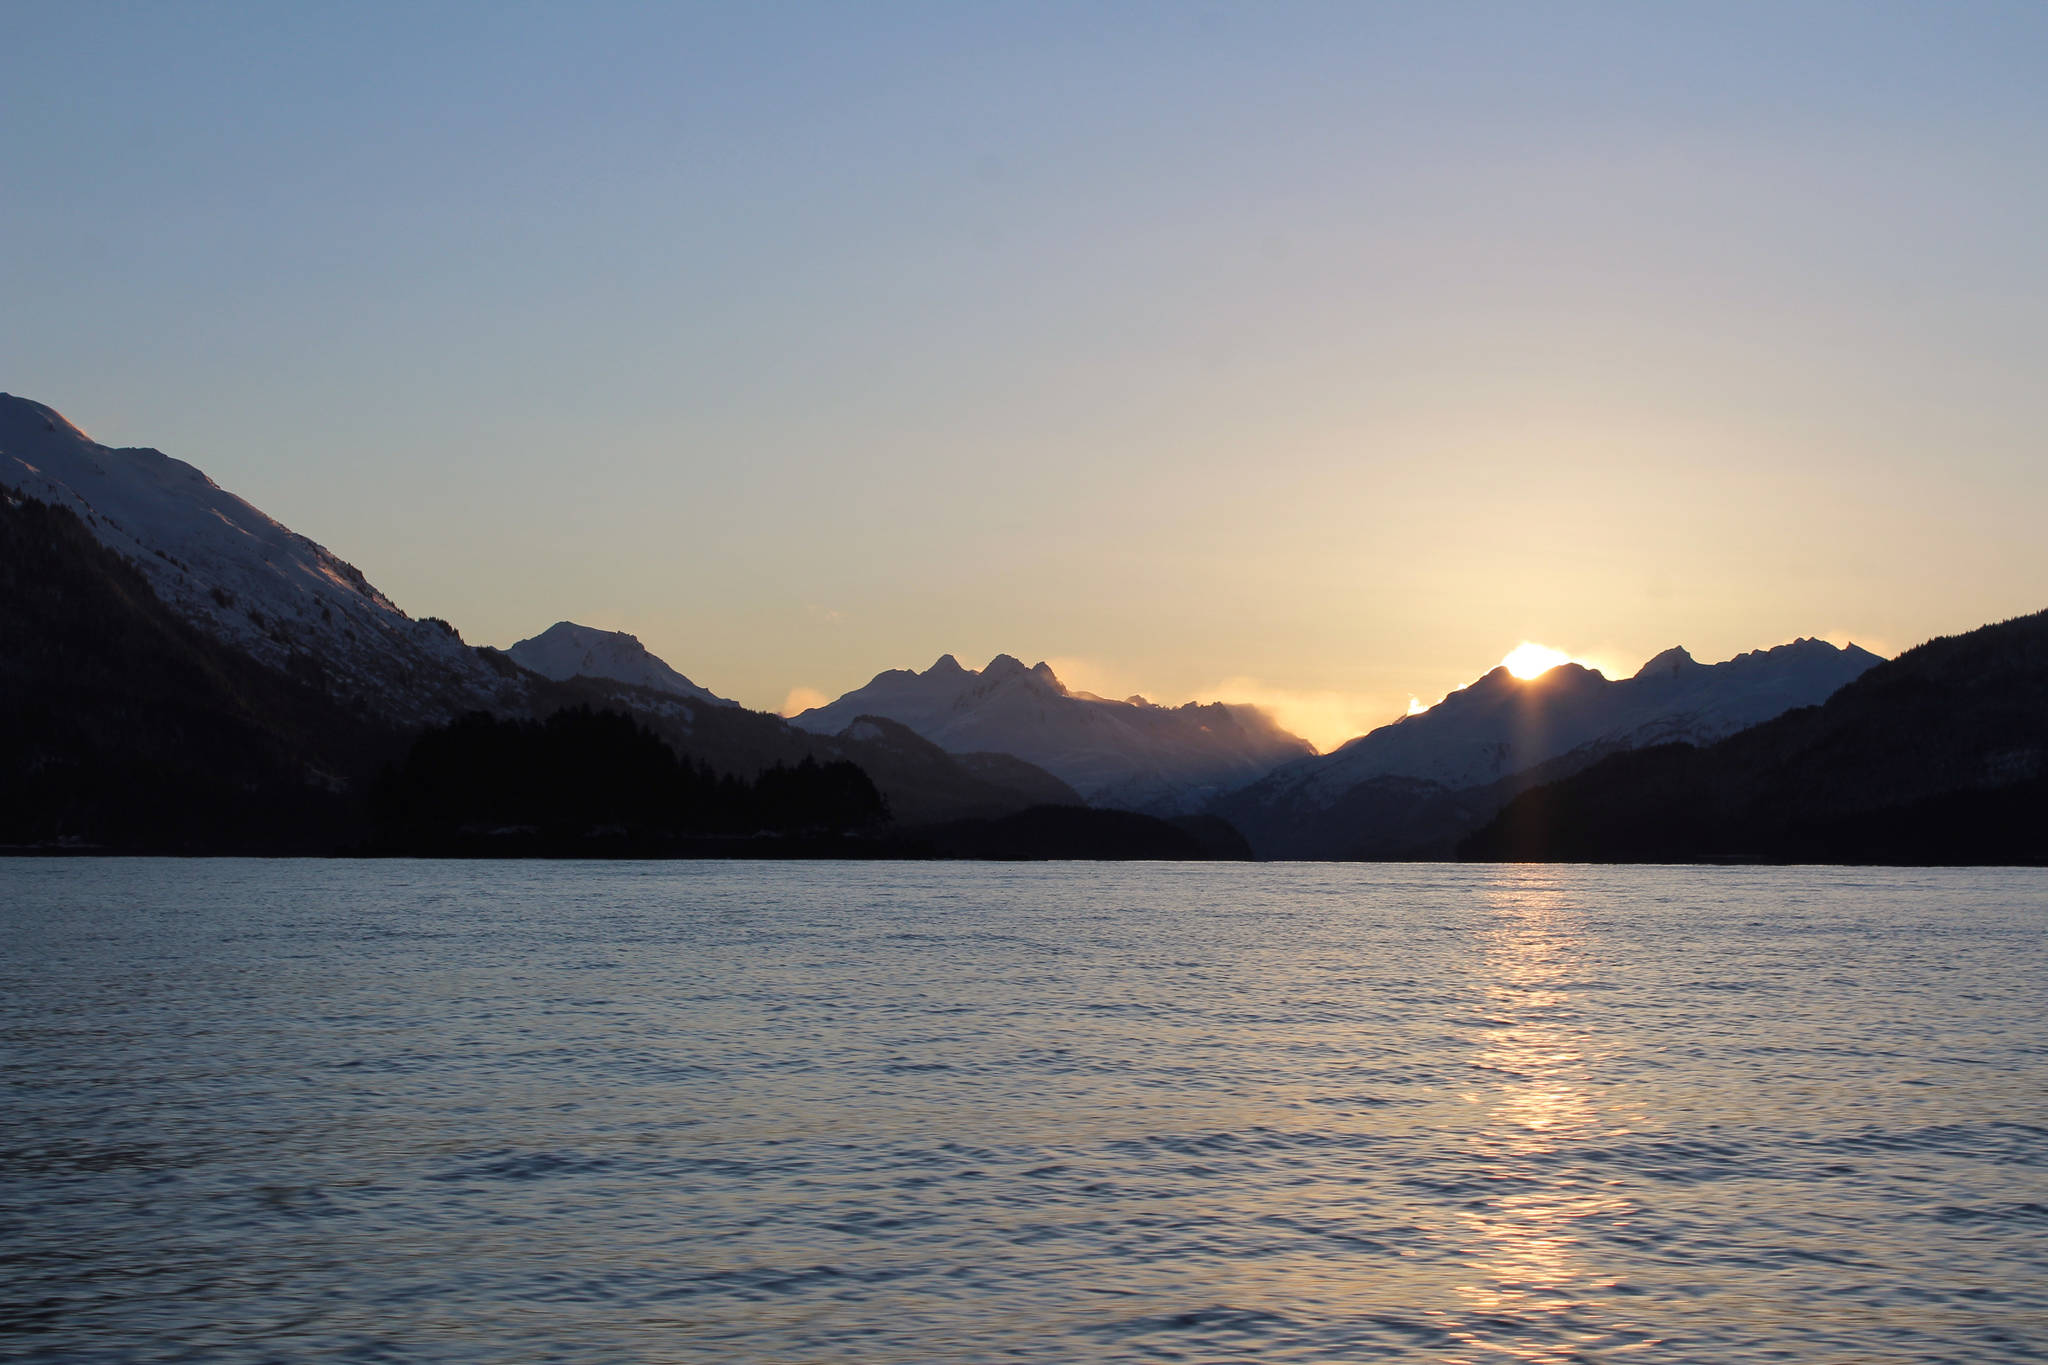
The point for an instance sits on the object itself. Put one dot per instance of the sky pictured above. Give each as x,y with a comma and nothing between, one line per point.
1313,355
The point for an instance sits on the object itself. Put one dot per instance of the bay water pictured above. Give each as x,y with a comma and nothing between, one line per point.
808,1112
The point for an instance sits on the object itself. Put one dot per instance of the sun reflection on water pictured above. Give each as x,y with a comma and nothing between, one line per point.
1534,1294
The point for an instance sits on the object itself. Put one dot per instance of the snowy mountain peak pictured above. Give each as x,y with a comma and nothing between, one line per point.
1502,724
1125,753
1570,673
1670,664
1002,667
1501,681
241,576
567,650
29,412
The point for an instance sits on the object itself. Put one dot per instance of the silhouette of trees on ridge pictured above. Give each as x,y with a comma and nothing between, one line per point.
582,773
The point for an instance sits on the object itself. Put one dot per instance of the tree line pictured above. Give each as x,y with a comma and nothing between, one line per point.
583,775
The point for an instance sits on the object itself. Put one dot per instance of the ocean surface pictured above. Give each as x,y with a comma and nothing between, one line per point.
481,1112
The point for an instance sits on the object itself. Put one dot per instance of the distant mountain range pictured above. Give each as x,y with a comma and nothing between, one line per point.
178,671
1130,754
1413,788
1938,756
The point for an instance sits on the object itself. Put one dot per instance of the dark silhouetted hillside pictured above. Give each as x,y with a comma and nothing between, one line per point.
1939,756
1413,789
586,781
123,726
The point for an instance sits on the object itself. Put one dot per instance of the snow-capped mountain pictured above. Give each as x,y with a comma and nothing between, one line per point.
1130,754
244,578
567,650
274,598
1501,726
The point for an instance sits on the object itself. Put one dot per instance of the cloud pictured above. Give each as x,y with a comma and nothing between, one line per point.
1090,675
802,699
1324,718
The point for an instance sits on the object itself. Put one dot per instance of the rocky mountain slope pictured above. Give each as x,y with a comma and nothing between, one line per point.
242,577
1414,787
123,725
1940,755
921,782
1129,754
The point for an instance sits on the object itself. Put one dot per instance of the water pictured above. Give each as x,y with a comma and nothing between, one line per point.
491,1112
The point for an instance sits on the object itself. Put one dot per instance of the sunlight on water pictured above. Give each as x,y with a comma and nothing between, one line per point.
1529,1262
812,1113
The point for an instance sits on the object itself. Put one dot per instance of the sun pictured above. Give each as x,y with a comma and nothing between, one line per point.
1529,659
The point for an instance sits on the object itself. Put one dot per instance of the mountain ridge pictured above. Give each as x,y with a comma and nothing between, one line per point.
238,573
302,628
1128,754
949,743
568,650
1939,755
1479,738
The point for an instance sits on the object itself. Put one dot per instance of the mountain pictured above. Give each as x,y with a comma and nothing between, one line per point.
1414,787
1939,756
923,782
123,725
567,650
1129,754
599,784
182,671
262,589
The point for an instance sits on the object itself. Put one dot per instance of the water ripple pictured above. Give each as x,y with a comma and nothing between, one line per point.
808,1113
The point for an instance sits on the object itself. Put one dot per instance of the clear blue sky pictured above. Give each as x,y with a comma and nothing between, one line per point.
1315,353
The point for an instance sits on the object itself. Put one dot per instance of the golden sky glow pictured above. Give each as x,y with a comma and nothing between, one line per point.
1530,660
1309,356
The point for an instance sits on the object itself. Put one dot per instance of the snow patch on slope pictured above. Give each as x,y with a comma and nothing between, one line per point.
567,650
242,576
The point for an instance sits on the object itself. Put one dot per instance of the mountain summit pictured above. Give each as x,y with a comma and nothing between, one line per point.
244,578
1130,754
1481,738
566,650
1939,756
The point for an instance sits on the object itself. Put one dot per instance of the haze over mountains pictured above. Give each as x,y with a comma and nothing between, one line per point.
170,650
1129,754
